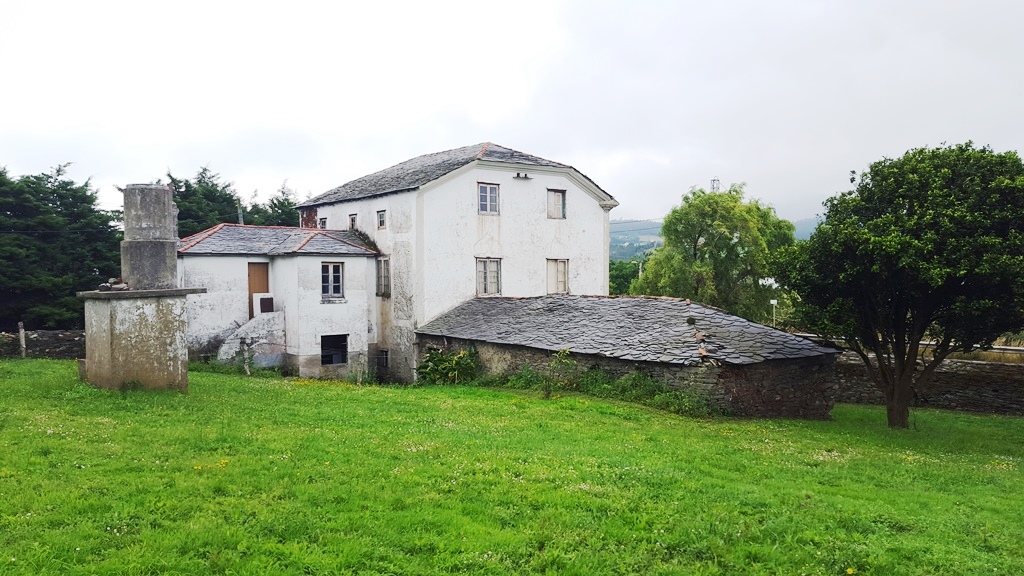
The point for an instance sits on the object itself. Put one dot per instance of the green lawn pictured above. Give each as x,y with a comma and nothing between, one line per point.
265,476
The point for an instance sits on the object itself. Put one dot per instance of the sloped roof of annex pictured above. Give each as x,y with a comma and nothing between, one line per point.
418,172
240,239
636,328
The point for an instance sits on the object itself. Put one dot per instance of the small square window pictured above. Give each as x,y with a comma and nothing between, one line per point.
488,276
351,221
556,204
383,277
558,276
488,198
381,219
333,349
332,280
322,223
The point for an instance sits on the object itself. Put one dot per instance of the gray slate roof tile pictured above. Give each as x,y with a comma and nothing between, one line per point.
412,174
630,328
228,239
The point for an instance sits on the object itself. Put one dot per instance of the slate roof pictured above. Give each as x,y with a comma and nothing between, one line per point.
412,174
646,329
273,241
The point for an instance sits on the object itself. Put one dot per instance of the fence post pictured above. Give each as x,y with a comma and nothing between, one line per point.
21,337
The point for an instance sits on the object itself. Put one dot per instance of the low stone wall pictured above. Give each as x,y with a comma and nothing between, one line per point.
57,344
956,385
802,388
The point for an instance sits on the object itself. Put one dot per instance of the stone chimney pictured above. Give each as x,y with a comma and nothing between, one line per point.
149,256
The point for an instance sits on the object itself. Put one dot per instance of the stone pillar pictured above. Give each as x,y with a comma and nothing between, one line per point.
135,338
149,256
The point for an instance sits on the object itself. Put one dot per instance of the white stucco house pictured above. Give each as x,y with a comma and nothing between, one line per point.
382,255
303,299
473,222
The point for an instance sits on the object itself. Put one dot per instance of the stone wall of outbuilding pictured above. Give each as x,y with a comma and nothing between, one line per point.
956,385
801,388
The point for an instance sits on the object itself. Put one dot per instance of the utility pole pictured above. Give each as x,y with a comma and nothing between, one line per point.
241,218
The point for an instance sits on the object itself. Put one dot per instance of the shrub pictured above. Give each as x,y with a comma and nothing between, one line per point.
526,379
439,367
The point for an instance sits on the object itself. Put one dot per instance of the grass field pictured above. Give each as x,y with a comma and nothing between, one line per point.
268,476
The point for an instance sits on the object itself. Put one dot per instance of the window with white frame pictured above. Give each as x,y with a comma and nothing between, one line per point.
382,221
332,280
488,196
383,277
556,204
333,349
488,276
351,221
558,276
322,223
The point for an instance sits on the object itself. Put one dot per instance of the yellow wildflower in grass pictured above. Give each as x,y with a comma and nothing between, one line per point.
850,571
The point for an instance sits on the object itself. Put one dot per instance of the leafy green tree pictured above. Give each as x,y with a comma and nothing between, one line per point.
927,247
717,251
621,273
280,210
204,201
54,241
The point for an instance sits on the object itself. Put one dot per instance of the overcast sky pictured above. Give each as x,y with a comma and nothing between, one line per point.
647,98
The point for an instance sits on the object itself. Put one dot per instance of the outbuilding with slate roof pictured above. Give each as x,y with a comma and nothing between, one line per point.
743,367
282,295
473,222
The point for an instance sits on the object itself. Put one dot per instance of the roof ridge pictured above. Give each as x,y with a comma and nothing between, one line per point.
202,236
309,236
483,150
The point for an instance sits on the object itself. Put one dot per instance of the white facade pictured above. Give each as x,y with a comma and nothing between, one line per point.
301,317
435,235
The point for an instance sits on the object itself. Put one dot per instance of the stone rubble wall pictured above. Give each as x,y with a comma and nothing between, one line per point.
956,385
57,344
803,388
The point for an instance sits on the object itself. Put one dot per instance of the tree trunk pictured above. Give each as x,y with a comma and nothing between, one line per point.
897,401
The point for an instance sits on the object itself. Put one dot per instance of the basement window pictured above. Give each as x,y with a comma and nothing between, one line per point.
333,349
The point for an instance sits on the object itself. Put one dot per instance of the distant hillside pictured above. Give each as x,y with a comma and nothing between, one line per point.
805,226
631,238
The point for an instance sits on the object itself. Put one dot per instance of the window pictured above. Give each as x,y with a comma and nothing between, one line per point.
382,360
332,280
488,276
323,223
334,349
383,277
488,198
351,221
558,276
381,219
556,204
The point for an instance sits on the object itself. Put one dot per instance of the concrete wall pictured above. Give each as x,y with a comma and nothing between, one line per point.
136,341
957,384
434,235
803,388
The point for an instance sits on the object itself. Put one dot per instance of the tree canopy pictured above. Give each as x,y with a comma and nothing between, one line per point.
927,247
717,251
204,201
54,241
280,210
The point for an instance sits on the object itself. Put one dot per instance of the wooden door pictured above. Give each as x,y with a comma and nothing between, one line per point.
259,280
